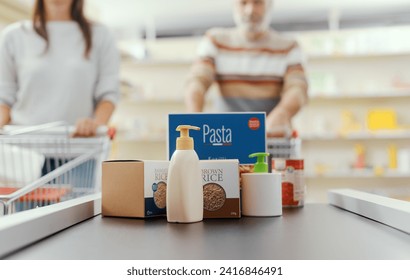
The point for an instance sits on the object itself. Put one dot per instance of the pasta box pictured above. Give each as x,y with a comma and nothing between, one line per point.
221,135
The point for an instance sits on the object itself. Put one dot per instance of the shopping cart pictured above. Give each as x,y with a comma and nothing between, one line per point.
42,165
284,147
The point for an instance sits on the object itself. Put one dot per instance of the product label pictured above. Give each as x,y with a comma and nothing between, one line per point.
220,180
299,182
216,136
155,187
212,175
293,182
221,136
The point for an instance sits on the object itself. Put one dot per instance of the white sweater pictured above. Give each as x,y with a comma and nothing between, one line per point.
60,83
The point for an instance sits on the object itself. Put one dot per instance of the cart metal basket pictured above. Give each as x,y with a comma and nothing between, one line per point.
289,148
43,165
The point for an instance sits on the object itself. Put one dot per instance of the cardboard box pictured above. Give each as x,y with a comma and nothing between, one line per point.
134,188
221,188
222,135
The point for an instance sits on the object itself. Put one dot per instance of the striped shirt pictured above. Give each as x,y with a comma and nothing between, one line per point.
251,75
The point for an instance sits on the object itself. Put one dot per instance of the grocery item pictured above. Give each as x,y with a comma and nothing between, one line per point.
220,179
160,194
293,181
184,190
223,135
261,191
134,188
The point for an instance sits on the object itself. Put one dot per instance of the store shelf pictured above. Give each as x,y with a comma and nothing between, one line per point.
374,95
358,174
357,55
385,135
351,74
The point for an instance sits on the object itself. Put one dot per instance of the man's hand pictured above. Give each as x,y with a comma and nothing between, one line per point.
278,123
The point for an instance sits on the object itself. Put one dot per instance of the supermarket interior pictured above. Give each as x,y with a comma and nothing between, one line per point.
345,65
355,129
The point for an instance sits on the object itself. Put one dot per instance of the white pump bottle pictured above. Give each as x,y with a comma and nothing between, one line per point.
184,182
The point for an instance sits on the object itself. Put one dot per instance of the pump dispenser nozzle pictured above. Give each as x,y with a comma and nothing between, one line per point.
184,142
260,166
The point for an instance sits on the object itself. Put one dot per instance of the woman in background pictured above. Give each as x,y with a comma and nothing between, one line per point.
59,67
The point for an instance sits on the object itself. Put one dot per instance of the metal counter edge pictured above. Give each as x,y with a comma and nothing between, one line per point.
24,228
392,212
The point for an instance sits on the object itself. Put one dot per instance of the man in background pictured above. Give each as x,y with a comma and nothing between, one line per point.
256,69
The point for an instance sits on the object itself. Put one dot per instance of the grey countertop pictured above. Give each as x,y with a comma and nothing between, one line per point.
316,231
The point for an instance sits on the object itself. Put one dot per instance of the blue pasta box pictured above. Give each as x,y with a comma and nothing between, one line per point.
221,135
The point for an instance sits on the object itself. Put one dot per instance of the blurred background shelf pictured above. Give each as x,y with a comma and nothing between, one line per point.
359,174
386,135
359,95
357,55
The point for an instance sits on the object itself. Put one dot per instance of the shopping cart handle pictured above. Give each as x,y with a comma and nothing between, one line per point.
111,132
55,128
102,130
25,129
282,133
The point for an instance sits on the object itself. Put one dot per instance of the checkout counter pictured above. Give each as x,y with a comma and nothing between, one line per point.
352,226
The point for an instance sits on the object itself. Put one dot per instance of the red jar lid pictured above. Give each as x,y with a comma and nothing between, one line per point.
295,163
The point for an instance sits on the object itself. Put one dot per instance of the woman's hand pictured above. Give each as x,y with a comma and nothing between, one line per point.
4,115
86,128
